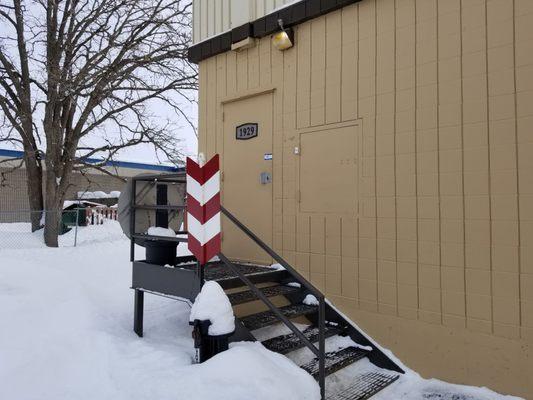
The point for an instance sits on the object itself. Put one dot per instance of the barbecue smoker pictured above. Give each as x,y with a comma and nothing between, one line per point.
150,205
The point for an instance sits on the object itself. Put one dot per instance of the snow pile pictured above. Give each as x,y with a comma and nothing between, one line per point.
158,231
247,371
213,304
18,235
412,386
114,194
294,284
68,335
310,300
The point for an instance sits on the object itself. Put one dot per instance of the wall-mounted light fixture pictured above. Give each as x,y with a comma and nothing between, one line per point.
283,39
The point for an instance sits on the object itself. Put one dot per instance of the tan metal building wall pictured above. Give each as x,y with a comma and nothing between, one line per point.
435,260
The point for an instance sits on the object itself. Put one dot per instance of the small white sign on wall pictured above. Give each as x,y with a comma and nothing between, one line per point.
267,156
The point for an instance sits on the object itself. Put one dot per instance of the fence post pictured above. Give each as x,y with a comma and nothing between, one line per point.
76,229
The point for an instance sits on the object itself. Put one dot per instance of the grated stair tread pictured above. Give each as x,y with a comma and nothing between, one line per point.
270,291
266,318
286,343
365,385
336,360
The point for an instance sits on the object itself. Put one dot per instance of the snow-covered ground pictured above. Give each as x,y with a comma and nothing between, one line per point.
66,333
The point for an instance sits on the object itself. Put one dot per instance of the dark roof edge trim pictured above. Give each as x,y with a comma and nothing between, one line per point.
292,15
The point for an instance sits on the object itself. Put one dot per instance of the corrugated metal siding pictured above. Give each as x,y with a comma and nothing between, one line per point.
211,17
444,235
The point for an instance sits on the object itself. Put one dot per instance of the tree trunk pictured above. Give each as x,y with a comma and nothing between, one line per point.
34,181
52,220
54,203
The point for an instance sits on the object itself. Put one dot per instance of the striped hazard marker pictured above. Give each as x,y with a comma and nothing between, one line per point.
203,208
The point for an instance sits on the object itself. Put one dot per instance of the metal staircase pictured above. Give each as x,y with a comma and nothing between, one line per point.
245,283
364,385
323,322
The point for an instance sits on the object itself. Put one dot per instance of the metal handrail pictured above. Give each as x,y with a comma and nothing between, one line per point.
272,253
270,305
321,351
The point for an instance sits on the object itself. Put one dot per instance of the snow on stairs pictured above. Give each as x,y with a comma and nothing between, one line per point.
286,343
363,385
266,318
269,291
336,360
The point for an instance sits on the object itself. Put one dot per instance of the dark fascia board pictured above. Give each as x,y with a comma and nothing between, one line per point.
292,15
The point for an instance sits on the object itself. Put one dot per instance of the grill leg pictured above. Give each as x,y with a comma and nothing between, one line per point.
138,313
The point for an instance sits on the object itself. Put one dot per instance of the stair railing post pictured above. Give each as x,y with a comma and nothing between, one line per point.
322,347
200,273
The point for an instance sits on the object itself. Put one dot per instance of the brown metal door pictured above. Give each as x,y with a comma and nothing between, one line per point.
247,179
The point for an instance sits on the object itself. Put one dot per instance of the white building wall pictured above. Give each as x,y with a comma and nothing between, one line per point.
211,17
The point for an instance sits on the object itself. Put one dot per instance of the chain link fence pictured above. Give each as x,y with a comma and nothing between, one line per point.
16,228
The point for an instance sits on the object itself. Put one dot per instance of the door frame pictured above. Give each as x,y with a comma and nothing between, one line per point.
244,95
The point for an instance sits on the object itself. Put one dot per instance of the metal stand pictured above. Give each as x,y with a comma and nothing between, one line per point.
138,312
200,273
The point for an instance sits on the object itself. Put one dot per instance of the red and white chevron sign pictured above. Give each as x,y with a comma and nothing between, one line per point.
203,208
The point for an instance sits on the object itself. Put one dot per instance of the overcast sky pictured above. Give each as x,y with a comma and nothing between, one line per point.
183,132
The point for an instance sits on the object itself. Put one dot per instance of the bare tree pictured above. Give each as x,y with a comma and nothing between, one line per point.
81,76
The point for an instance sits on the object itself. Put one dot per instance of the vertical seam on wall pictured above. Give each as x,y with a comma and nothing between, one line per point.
340,253
488,162
221,17
248,64
297,33
225,75
310,71
296,166
340,73
325,251
462,153
375,146
438,166
416,164
360,169
259,41
281,132
395,164
325,66
270,59
309,245
357,72
517,173
230,24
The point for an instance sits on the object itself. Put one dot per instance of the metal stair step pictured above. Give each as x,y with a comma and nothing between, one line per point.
336,360
266,318
270,291
221,273
286,343
365,385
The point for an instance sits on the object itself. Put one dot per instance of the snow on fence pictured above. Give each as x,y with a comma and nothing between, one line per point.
15,225
97,215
